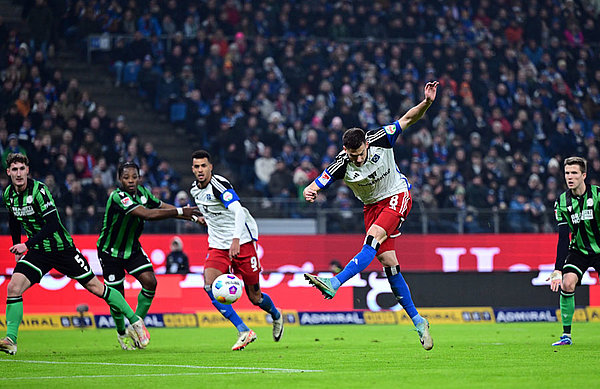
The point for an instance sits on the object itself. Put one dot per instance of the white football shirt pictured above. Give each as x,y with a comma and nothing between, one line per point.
213,201
378,177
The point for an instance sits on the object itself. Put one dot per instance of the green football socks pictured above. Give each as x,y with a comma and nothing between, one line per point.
118,303
119,320
567,309
14,316
144,301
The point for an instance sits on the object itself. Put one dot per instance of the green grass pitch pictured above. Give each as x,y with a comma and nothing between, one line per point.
384,356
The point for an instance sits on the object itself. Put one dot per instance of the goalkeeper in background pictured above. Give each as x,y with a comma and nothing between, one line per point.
119,247
577,212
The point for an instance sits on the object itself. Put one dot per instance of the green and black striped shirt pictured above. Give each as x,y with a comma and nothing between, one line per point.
582,214
30,208
121,231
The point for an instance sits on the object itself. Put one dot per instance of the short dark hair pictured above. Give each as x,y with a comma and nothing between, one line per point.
16,157
577,161
126,165
199,154
353,138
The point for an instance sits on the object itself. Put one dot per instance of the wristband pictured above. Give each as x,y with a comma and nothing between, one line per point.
179,211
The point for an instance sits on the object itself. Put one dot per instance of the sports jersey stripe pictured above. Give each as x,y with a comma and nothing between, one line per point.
580,236
64,234
594,222
220,187
404,205
376,135
336,165
121,240
116,218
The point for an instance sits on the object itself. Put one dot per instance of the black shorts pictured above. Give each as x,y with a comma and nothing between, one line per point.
578,263
70,262
113,268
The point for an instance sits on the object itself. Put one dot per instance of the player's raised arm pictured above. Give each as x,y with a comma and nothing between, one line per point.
417,112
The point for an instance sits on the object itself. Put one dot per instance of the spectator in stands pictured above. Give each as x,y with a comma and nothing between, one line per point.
177,261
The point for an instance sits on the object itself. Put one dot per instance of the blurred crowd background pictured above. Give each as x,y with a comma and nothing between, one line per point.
269,87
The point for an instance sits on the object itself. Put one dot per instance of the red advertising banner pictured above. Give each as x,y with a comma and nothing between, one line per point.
178,294
309,253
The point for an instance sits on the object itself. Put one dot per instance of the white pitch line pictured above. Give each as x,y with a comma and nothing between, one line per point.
123,375
273,369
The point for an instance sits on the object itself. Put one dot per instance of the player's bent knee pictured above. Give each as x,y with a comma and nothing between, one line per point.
149,282
17,285
95,287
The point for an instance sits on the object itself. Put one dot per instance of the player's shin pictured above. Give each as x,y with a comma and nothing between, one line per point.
144,301
119,320
227,311
402,293
567,309
14,316
116,301
358,263
266,304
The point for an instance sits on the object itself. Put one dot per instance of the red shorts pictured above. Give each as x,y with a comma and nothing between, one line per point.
246,265
388,214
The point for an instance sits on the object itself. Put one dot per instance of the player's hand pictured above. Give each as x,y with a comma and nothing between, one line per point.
234,250
18,257
310,195
431,90
18,249
555,280
199,220
188,212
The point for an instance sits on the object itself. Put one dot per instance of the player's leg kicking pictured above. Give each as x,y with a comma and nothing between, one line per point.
382,221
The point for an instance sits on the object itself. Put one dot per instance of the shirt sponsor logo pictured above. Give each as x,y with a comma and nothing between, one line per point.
25,211
586,214
227,196
376,180
390,129
126,201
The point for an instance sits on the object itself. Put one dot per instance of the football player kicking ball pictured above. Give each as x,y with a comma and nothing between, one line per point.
119,247
49,245
232,236
367,166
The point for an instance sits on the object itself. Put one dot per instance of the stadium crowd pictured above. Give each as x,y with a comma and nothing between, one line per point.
269,88
73,144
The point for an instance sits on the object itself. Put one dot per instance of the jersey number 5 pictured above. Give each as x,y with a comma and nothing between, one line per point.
81,261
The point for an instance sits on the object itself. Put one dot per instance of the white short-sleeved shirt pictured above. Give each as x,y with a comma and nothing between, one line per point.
213,201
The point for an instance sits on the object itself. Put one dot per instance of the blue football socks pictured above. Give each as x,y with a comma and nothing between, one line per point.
358,263
402,293
228,312
266,304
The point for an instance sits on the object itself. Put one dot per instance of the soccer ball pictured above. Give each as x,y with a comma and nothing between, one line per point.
227,288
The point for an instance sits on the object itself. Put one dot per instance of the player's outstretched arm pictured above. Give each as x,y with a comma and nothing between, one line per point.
310,192
417,112
185,215
188,213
